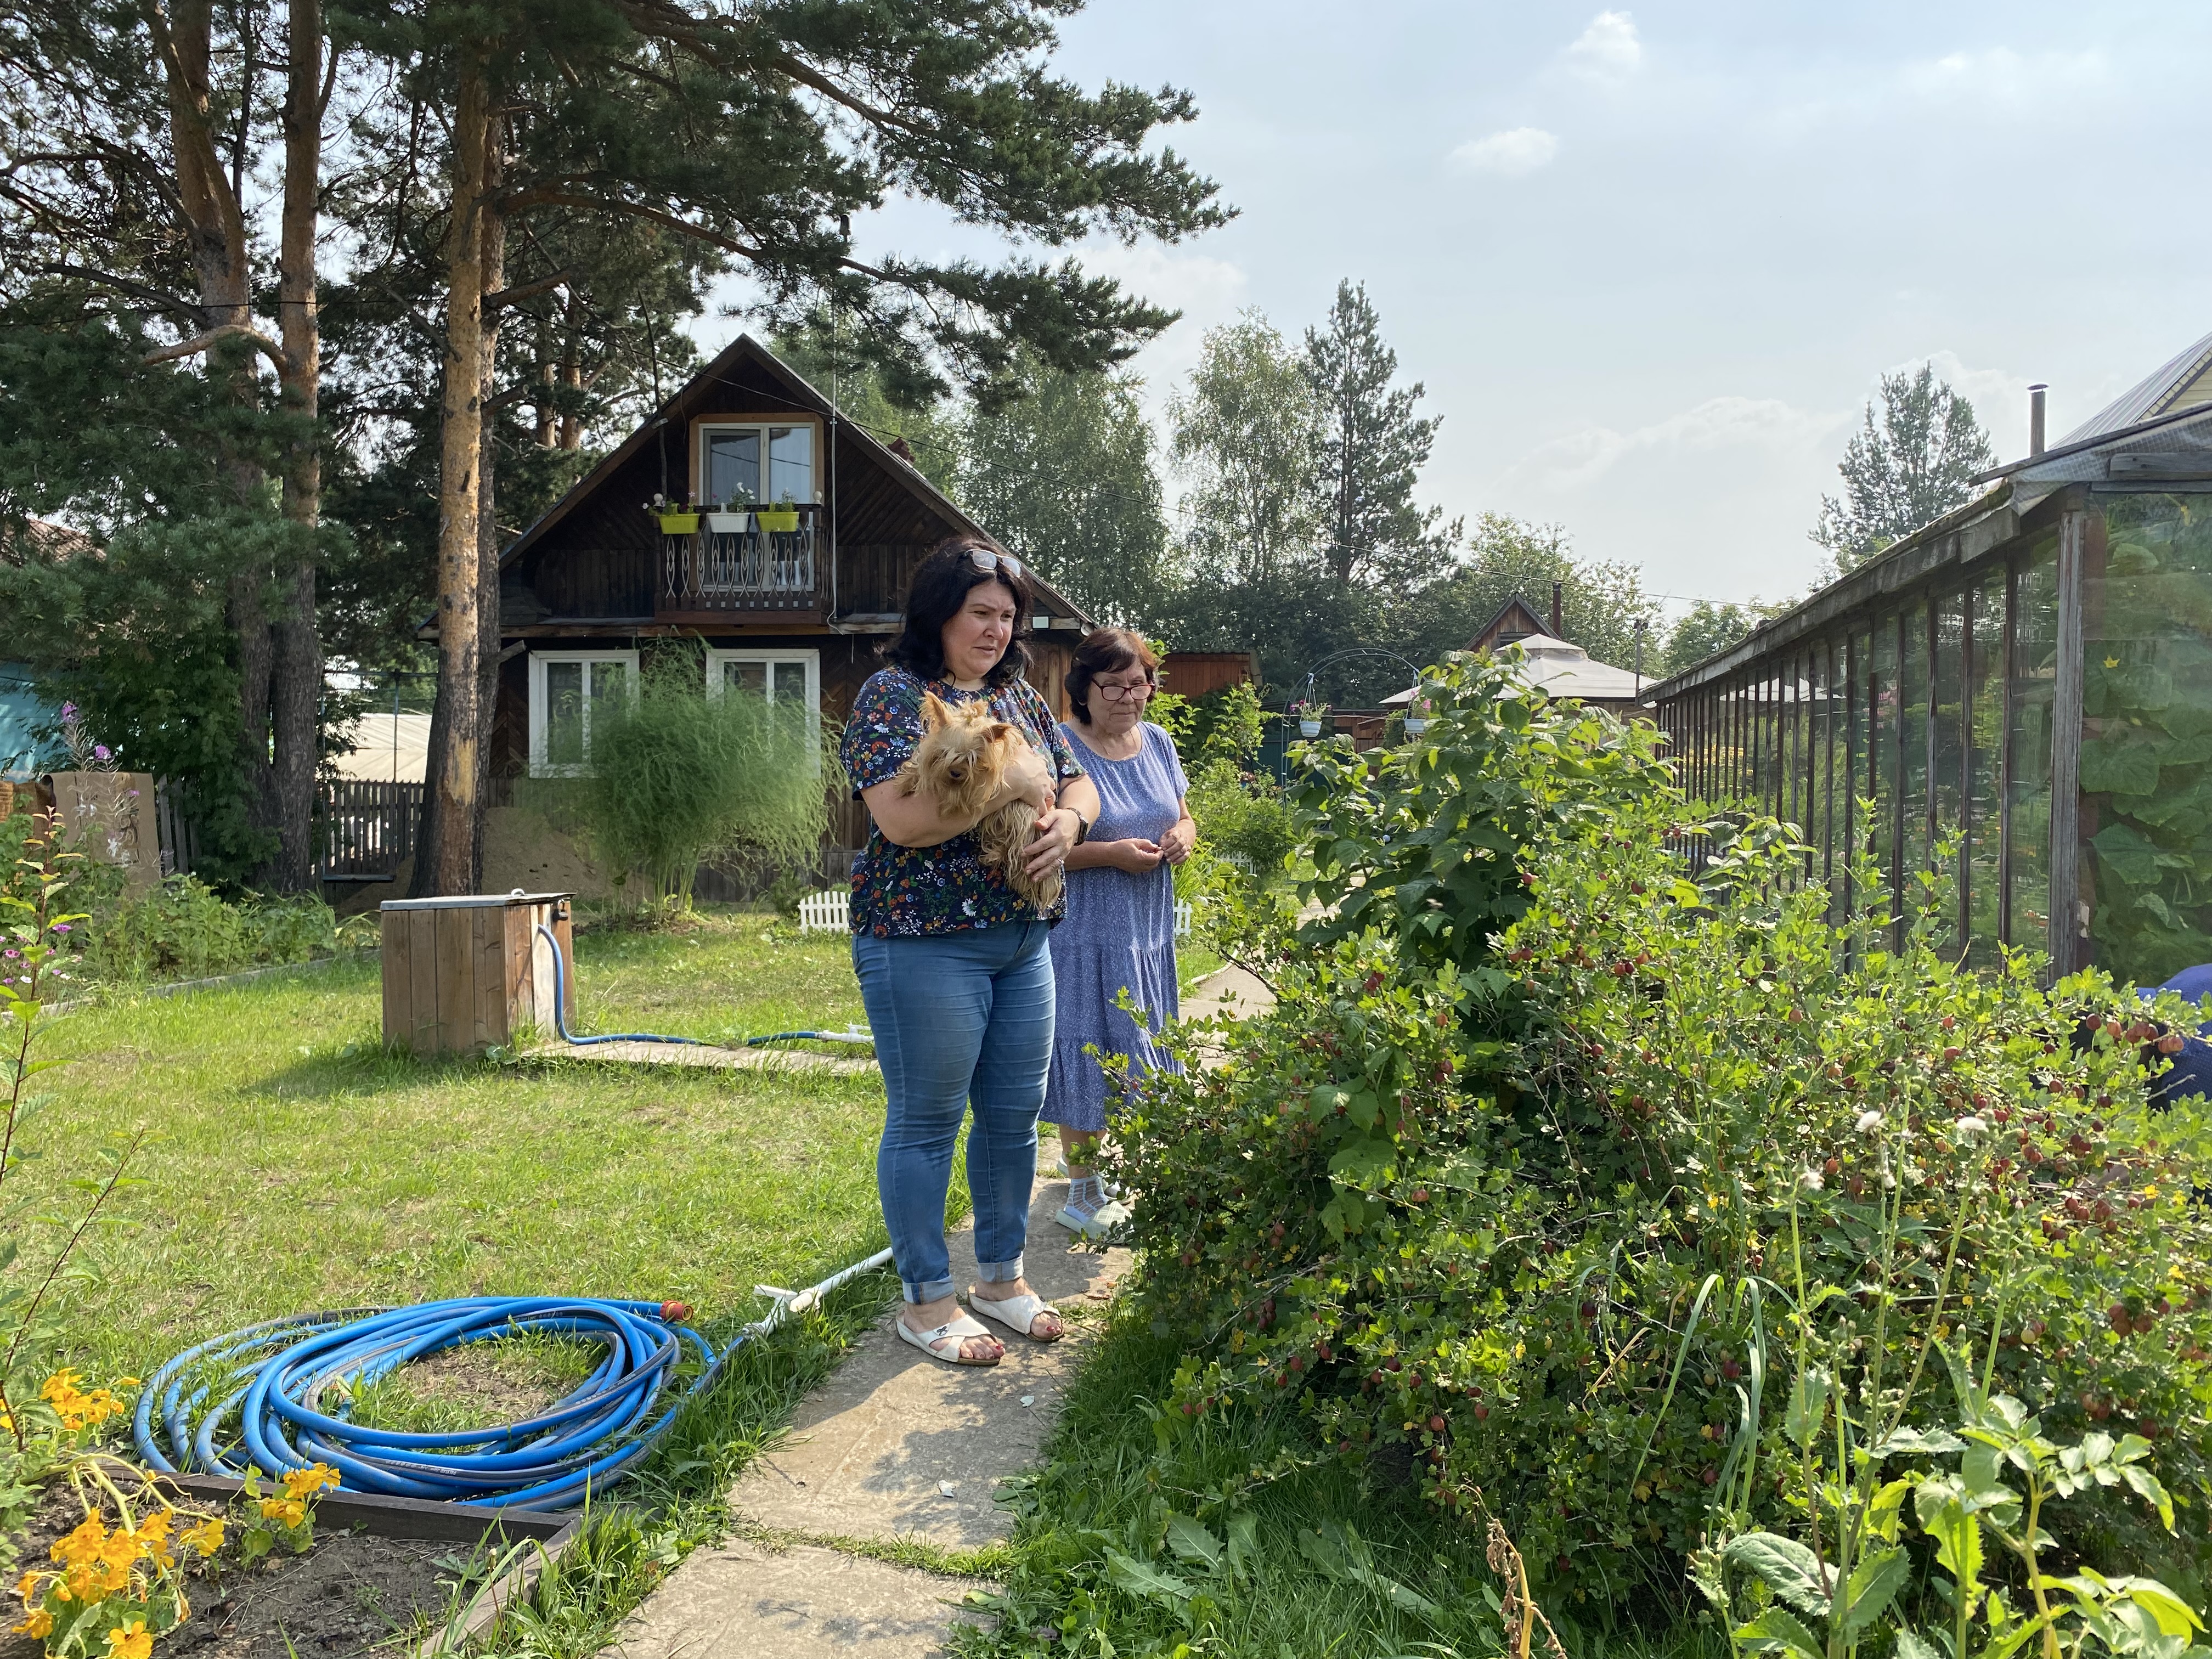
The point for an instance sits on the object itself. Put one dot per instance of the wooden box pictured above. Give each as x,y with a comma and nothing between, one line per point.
470,973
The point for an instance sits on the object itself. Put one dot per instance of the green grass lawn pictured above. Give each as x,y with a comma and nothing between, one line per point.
293,1163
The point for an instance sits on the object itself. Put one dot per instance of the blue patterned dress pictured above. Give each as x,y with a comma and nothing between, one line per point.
1120,930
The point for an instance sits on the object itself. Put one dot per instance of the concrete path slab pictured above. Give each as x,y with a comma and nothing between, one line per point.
899,1445
687,1053
746,1602
1230,991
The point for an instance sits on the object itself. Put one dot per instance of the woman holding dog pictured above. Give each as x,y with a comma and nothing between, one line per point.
1120,930
954,965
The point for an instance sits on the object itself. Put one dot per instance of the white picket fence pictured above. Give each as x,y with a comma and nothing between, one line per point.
826,912
830,911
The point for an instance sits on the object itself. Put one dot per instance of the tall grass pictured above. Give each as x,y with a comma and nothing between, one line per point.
679,779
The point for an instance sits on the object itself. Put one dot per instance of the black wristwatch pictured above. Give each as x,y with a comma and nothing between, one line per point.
1082,828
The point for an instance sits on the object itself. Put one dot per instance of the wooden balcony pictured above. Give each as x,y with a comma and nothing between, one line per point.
752,575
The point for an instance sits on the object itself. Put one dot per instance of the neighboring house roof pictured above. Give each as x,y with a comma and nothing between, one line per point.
52,541
2183,381
1515,621
387,748
1562,670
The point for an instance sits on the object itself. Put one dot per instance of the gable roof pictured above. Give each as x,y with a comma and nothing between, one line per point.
1519,627
693,398
2183,381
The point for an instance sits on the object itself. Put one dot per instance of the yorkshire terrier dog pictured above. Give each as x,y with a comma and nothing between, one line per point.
961,761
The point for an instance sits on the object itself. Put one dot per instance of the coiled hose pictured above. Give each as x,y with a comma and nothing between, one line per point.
854,1034
290,1385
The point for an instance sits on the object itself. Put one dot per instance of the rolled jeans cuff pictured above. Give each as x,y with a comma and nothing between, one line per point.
998,1272
930,1290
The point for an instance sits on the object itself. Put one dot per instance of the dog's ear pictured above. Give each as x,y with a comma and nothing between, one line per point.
934,714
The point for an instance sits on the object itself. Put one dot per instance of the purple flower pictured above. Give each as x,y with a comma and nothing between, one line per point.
69,711
100,750
61,928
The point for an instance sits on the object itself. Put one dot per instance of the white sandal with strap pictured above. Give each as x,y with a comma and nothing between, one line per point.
955,1331
1017,1312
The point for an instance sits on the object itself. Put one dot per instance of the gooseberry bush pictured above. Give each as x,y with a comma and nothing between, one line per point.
1557,1163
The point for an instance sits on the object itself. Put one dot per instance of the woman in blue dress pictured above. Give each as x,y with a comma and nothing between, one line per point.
1119,929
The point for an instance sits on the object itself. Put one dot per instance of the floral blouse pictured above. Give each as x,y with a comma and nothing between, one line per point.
907,892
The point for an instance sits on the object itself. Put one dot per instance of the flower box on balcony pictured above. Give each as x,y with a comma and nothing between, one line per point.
770,520
678,523
728,524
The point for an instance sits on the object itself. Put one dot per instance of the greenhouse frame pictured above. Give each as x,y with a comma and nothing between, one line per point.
2027,680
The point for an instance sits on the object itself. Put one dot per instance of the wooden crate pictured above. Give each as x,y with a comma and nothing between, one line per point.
470,973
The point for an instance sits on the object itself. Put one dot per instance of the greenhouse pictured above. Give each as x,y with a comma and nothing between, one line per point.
2027,680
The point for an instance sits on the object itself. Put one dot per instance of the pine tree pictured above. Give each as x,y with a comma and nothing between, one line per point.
1908,469
1369,450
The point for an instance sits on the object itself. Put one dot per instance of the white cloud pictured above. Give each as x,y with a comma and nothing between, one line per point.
1510,154
1999,74
1582,456
1608,49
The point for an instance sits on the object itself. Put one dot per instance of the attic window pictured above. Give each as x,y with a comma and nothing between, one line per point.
732,456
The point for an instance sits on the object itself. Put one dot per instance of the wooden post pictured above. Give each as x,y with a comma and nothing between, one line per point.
2068,689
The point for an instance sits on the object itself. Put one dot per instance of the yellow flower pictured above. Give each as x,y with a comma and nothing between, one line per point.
82,1545
306,1483
207,1537
38,1623
2112,662
131,1641
27,1586
61,1382
289,1511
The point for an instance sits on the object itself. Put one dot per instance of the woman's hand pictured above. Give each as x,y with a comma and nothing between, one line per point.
1180,841
1029,778
1139,857
1055,836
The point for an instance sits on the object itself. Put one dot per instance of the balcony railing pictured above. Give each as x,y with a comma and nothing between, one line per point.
748,570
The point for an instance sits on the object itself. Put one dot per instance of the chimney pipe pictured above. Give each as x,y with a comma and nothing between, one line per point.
2035,418
1556,587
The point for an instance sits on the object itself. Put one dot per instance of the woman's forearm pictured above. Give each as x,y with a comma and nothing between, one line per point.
912,820
1091,855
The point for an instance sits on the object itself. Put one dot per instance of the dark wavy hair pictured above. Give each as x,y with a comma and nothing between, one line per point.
941,584
1107,651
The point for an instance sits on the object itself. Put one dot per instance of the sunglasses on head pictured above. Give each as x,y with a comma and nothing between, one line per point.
994,562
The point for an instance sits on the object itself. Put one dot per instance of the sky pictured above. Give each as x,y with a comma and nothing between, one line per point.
1650,261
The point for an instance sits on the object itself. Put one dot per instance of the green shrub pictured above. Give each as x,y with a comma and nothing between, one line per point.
678,779
183,929
1510,1187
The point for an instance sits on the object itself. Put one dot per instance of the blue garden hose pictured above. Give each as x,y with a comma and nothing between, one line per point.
289,1385
561,1017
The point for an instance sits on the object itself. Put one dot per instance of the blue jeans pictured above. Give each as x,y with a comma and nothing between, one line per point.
959,1019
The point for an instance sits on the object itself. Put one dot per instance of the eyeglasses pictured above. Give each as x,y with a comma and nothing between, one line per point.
982,559
1115,692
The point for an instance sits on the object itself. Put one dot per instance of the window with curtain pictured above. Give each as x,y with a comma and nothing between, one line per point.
745,465
570,693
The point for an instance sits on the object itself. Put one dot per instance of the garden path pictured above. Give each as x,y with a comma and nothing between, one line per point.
894,1449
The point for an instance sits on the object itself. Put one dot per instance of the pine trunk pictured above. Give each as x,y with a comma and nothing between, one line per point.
447,861
296,687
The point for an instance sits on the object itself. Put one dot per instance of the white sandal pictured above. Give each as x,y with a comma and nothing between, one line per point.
955,1331
1018,1314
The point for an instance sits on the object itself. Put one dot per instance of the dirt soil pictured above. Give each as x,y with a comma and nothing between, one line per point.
350,1596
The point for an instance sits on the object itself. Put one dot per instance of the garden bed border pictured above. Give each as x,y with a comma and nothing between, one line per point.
416,1518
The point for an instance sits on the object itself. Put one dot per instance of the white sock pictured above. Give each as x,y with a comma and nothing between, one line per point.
1083,1194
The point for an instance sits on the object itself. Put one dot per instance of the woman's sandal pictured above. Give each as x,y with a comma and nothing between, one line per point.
956,1332
1018,1314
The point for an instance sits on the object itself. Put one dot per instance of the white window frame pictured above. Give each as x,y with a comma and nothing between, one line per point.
704,426
717,682
539,766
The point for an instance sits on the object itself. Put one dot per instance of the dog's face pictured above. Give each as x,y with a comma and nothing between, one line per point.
964,753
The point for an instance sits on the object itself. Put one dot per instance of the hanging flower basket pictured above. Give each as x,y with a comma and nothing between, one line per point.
1416,724
1309,726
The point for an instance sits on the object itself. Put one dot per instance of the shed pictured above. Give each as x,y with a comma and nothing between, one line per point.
2029,676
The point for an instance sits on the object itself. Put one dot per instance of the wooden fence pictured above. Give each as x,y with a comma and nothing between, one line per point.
366,828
